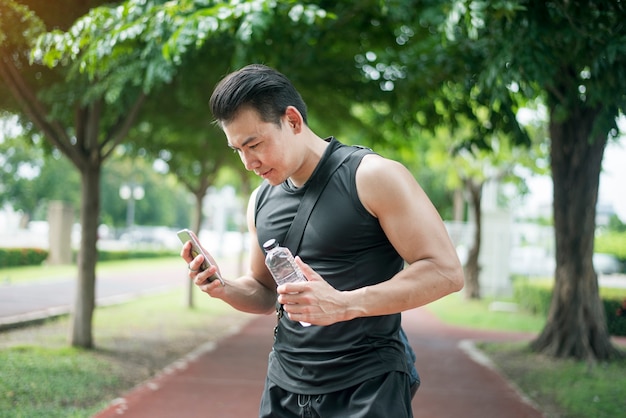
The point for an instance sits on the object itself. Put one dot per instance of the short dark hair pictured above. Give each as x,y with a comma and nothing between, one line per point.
260,87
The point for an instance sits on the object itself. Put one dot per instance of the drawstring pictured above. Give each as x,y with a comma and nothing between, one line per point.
304,400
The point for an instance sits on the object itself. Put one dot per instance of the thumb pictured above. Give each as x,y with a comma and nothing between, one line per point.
308,272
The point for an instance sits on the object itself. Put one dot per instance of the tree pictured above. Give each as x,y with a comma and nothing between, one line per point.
453,56
573,56
111,67
85,119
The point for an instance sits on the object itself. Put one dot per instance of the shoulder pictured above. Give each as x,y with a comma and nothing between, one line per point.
376,171
382,182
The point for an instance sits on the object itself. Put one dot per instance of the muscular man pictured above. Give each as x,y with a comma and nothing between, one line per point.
374,246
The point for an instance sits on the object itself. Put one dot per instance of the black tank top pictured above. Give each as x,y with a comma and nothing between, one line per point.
345,244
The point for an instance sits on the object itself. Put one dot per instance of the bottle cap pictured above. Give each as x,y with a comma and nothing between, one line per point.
269,244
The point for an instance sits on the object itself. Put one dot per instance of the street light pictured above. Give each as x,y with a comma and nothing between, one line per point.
131,192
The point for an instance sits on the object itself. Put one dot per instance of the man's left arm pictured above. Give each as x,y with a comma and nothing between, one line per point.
415,229
413,226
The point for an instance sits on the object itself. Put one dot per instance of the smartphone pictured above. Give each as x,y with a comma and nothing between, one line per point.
184,236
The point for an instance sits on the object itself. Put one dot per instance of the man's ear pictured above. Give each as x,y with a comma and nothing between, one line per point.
294,119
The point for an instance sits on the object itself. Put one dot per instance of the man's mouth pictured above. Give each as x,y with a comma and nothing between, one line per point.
264,174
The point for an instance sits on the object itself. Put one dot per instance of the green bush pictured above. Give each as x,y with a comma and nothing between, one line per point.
14,257
611,243
18,257
614,301
535,296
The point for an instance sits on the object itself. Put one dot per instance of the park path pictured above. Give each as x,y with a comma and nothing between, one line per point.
225,379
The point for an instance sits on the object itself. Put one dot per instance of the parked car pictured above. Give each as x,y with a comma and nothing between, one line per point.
606,264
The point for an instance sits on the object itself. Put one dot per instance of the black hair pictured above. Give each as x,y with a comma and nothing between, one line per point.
260,87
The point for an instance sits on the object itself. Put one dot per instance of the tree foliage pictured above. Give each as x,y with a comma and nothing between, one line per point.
478,62
111,59
572,56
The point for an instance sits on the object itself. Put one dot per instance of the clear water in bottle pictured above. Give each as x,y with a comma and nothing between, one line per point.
282,265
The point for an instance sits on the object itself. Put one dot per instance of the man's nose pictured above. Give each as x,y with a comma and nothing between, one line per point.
249,161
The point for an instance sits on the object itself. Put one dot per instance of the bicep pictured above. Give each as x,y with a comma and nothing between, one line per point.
406,214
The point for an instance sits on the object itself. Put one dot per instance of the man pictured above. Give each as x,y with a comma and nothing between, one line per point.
371,218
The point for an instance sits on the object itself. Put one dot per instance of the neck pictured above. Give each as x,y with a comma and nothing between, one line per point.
313,148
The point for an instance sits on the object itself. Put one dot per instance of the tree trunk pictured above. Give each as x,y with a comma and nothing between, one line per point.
576,325
84,302
472,268
458,205
197,224
198,217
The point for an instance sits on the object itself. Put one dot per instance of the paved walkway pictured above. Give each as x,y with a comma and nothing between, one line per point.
226,380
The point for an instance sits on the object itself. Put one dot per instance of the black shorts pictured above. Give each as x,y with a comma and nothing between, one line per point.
384,396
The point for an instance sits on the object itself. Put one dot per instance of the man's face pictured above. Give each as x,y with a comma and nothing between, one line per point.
262,146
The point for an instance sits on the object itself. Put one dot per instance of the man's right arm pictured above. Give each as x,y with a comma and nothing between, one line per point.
255,291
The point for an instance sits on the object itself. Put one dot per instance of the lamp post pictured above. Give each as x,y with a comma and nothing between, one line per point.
131,192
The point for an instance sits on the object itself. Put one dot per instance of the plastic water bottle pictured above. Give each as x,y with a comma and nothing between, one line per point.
282,265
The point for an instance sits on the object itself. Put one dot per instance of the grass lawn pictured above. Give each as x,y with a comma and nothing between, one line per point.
455,310
561,388
40,376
